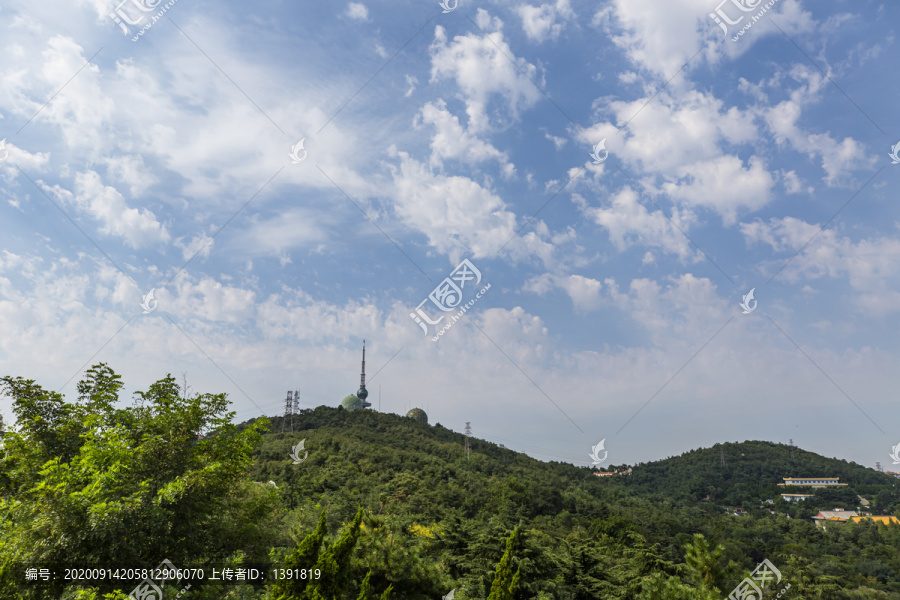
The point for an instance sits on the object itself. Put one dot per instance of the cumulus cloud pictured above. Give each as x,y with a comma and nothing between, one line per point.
838,158
679,142
357,11
870,265
482,70
138,227
544,21
456,214
584,292
452,141
629,223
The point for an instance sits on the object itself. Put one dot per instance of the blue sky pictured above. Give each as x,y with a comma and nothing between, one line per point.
429,138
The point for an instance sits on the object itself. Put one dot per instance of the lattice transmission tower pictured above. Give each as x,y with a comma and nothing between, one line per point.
468,433
290,405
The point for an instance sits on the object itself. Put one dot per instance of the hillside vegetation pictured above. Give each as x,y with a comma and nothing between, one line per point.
386,507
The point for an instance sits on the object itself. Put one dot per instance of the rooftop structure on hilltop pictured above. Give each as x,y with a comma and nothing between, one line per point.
352,402
813,482
419,415
838,515
626,471
886,519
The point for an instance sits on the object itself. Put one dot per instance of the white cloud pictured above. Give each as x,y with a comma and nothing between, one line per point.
584,292
628,223
131,170
871,266
664,37
725,186
358,11
559,142
481,70
136,226
411,82
679,142
456,214
541,22
451,141
788,233
199,245
838,159
792,183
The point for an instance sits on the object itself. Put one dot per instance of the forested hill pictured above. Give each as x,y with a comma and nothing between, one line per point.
386,507
389,459
733,474
587,536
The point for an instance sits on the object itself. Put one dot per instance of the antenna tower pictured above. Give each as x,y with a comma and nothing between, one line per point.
296,404
288,411
722,456
468,433
878,467
791,442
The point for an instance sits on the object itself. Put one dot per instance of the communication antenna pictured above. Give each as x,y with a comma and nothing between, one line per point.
296,405
878,467
379,397
468,433
288,411
722,456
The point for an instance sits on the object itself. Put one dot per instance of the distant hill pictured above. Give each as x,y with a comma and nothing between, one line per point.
751,472
609,533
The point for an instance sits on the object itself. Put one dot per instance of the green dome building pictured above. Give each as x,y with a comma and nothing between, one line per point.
419,415
351,402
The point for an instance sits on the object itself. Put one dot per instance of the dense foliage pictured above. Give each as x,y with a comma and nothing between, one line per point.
387,507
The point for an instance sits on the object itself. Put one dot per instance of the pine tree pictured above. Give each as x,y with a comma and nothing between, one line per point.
704,567
334,562
505,582
305,555
365,588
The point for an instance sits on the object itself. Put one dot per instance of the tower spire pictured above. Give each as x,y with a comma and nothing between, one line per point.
363,393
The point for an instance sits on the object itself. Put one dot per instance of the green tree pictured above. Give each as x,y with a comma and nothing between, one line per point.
703,565
303,557
505,581
92,485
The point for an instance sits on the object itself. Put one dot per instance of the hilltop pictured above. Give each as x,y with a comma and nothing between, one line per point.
391,507
419,474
